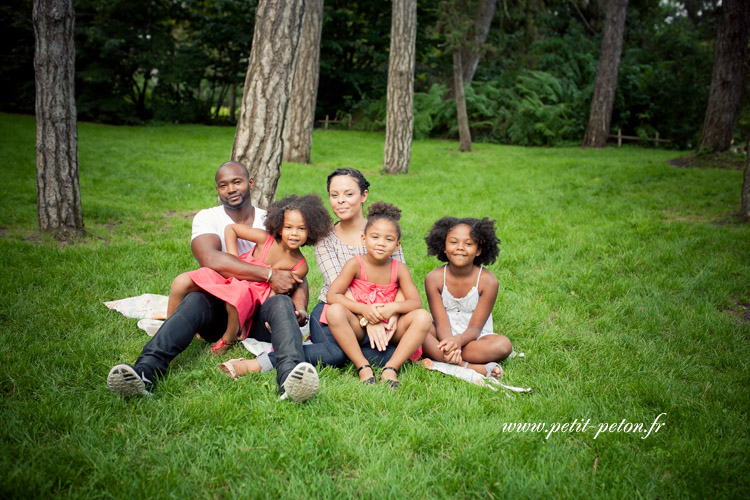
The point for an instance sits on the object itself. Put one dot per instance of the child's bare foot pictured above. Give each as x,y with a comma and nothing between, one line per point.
239,367
491,369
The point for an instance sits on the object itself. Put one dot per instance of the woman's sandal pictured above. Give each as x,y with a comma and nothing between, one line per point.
221,347
393,384
370,380
228,368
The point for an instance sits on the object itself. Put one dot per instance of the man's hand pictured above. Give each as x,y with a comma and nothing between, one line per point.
284,282
302,317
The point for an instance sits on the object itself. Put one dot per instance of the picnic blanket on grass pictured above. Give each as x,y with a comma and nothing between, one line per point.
151,310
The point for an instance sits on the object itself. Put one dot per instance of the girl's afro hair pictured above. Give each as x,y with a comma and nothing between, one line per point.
383,210
482,231
317,219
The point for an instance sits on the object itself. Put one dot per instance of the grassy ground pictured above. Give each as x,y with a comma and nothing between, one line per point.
623,279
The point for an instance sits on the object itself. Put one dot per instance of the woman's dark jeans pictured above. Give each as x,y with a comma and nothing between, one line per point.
326,351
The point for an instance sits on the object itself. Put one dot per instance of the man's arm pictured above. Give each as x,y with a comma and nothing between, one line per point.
300,298
207,251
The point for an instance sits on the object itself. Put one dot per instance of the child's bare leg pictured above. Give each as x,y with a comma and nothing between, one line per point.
485,350
181,286
411,331
230,335
345,328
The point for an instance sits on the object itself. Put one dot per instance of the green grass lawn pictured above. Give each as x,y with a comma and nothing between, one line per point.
625,281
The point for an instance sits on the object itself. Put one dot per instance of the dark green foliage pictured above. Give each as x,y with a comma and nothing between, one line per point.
16,57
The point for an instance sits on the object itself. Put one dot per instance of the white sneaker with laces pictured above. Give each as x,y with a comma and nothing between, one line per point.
301,384
124,380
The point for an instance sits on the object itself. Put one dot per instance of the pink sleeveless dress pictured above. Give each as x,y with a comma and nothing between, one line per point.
244,295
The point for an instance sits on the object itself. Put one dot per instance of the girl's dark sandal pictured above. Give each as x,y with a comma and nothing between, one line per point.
370,380
393,384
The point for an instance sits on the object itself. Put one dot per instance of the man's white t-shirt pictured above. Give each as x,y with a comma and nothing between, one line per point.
214,220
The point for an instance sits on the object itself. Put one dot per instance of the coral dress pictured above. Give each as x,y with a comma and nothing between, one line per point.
244,295
365,292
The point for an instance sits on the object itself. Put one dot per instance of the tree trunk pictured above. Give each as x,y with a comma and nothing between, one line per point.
301,113
745,203
727,76
399,127
605,85
258,142
464,134
58,194
471,53
233,102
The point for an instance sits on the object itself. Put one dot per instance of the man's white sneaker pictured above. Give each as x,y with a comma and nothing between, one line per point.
301,384
124,380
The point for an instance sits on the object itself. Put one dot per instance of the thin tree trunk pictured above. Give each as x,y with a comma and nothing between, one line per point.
233,102
600,116
58,193
258,142
301,119
727,76
745,203
464,134
471,53
399,127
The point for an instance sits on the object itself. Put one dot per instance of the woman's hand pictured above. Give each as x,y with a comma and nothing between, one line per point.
390,326
378,338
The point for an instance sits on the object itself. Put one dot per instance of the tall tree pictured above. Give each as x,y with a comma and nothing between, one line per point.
471,52
58,194
464,133
600,115
258,142
745,203
399,127
301,112
727,76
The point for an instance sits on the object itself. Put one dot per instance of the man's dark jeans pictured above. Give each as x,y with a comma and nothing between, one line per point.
203,313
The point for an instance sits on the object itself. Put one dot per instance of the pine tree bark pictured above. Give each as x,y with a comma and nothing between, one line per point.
727,76
301,112
258,141
600,116
399,127
745,202
464,134
58,192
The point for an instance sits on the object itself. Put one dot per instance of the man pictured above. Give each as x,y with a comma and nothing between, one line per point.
205,314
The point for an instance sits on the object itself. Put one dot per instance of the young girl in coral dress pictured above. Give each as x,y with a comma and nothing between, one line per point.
291,223
373,280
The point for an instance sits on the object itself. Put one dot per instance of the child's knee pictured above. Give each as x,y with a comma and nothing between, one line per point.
336,313
182,282
503,348
423,319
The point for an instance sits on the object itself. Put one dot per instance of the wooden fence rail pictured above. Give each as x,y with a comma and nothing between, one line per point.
620,138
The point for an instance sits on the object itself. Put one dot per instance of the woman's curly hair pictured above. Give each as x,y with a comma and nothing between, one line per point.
383,210
482,231
316,216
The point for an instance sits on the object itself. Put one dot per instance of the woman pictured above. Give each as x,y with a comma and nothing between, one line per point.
347,192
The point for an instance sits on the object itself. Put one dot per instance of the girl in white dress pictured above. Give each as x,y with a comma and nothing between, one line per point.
461,296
